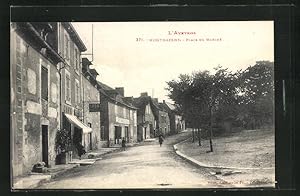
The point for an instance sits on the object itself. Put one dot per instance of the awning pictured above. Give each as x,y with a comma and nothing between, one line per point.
77,122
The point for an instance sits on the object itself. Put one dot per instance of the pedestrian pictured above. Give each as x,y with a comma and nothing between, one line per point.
81,150
123,144
160,139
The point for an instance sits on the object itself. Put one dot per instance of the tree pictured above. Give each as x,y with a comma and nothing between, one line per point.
257,94
202,94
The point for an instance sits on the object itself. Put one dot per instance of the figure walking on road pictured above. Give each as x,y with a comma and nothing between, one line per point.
123,144
160,139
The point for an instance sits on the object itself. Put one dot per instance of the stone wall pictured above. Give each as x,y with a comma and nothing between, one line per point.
26,103
91,95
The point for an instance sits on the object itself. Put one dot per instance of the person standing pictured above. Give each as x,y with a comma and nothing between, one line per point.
123,144
160,139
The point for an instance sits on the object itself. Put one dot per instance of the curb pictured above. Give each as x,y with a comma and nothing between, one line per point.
200,164
47,178
54,175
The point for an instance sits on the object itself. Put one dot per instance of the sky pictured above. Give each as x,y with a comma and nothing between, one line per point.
143,56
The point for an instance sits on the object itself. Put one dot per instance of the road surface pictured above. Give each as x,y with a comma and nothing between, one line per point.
142,166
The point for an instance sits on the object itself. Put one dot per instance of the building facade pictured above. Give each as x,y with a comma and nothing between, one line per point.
35,95
91,106
162,119
70,47
177,123
146,122
118,117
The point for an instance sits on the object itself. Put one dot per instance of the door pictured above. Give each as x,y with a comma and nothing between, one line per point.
145,132
151,131
45,144
90,138
90,141
117,134
126,134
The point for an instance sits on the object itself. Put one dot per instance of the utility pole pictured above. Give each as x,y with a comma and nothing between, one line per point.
211,131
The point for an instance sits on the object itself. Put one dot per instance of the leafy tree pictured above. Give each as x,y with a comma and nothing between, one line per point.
246,96
257,94
202,94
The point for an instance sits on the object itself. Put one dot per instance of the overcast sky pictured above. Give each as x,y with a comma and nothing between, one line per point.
145,66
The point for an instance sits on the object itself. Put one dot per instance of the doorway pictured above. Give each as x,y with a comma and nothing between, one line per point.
90,138
45,157
127,134
117,134
90,141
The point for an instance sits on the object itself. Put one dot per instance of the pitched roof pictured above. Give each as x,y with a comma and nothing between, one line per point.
171,106
108,91
158,106
104,86
74,35
141,101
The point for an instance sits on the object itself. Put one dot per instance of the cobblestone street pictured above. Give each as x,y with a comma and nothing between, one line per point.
144,166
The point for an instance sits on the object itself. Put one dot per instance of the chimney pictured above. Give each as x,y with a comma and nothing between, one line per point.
156,100
129,99
120,90
144,94
164,101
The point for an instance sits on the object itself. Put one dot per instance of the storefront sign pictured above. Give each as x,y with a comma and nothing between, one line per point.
122,120
94,107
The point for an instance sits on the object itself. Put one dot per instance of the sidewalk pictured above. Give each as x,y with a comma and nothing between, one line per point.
241,159
34,180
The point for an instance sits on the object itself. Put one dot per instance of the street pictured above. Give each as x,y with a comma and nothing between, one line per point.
142,166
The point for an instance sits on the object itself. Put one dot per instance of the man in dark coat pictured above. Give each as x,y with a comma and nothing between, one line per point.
160,139
123,144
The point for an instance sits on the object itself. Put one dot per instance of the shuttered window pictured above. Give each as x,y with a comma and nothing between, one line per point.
44,79
76,59
68,90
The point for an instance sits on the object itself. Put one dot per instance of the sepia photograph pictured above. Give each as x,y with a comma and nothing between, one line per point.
142,105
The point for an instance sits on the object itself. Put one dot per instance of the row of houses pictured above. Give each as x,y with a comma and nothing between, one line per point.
58,106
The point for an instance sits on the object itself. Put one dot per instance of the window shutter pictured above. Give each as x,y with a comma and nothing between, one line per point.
44,79
72,54
62,44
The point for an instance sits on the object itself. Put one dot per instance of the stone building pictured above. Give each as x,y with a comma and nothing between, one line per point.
118,117
177,123
146,122
70,47
35,95
91,106
162,118
148,108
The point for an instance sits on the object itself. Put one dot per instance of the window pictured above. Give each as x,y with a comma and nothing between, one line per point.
67,47
120,111
116,109
44,86
68,88
77,92
76,59
124,112
126,134
147,109
102,133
